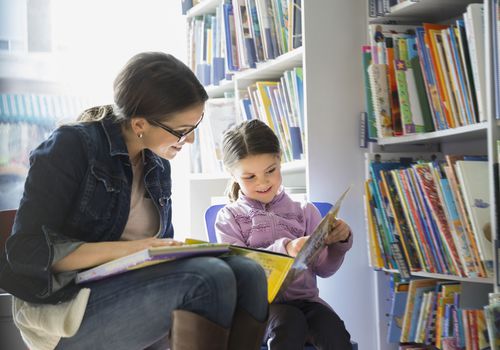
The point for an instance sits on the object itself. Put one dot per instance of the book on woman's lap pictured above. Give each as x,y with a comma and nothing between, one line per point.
148,257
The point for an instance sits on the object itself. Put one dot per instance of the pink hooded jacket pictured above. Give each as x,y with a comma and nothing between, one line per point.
250,223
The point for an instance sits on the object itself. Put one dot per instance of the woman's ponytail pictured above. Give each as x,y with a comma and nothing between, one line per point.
233,191
94,114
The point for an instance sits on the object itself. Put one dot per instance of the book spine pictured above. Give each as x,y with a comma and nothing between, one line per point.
404,102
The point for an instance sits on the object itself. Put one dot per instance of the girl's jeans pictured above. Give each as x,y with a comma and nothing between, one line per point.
293,323
133,310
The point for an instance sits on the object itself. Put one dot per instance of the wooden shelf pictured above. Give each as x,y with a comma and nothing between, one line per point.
445,277
425,11
463,133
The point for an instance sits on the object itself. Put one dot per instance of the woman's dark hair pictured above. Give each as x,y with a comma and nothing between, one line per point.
249,138
153,85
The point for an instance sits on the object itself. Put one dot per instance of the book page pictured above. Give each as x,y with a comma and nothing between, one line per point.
316,242
275,265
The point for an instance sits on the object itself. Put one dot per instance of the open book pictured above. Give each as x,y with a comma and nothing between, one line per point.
148,257
315,244
281,269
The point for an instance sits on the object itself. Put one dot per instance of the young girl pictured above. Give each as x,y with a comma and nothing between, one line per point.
262,215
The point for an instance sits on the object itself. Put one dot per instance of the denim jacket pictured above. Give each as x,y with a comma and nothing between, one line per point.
77,190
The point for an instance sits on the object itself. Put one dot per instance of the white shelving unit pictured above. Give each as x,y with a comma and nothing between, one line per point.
446,277
473,139
424,10
332,31
219,90
272,69
463,133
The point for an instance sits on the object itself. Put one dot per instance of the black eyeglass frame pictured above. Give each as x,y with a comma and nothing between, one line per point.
181,135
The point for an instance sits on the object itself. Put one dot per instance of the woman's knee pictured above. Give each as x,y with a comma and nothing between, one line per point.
213,289
248,273
251,284
215,271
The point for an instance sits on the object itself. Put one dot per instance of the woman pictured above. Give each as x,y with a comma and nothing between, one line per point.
99,190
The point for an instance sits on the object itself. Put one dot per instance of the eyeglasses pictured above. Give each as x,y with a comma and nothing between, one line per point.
181,135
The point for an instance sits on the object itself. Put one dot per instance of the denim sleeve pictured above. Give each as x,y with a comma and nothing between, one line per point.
62,279
57,168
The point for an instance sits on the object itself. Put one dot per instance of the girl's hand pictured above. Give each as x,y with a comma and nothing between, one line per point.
340,232
293,247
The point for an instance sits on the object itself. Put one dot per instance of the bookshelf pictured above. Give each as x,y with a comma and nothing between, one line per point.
478,138
205,185
332,32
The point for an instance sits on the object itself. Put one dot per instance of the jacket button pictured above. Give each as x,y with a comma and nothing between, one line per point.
161,200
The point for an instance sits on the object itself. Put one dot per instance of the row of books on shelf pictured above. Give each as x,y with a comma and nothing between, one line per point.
17,140
27,119
240,34
40,109
279,104
430,215
428,312
422,78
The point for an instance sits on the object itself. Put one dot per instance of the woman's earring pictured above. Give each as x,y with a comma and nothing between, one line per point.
140,135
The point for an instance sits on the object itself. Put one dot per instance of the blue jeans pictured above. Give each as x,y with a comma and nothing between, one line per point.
133,310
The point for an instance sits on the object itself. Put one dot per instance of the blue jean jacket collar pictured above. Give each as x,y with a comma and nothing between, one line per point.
117,146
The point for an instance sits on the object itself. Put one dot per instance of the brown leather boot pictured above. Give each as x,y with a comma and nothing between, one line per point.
246,332
191,331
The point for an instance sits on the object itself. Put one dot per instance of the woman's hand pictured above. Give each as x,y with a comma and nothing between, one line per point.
129,247
293,247
340,232
93,254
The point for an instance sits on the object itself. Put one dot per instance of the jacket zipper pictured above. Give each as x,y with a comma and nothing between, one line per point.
271,217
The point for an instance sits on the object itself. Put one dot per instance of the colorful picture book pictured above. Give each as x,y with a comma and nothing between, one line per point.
148,257
438,210
397,313
428,77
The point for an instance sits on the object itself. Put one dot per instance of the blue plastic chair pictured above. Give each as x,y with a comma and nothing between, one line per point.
211,215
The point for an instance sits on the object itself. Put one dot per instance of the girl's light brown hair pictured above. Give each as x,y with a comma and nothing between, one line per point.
247,139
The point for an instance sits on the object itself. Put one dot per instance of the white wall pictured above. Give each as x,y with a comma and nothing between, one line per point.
334,32
95,38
